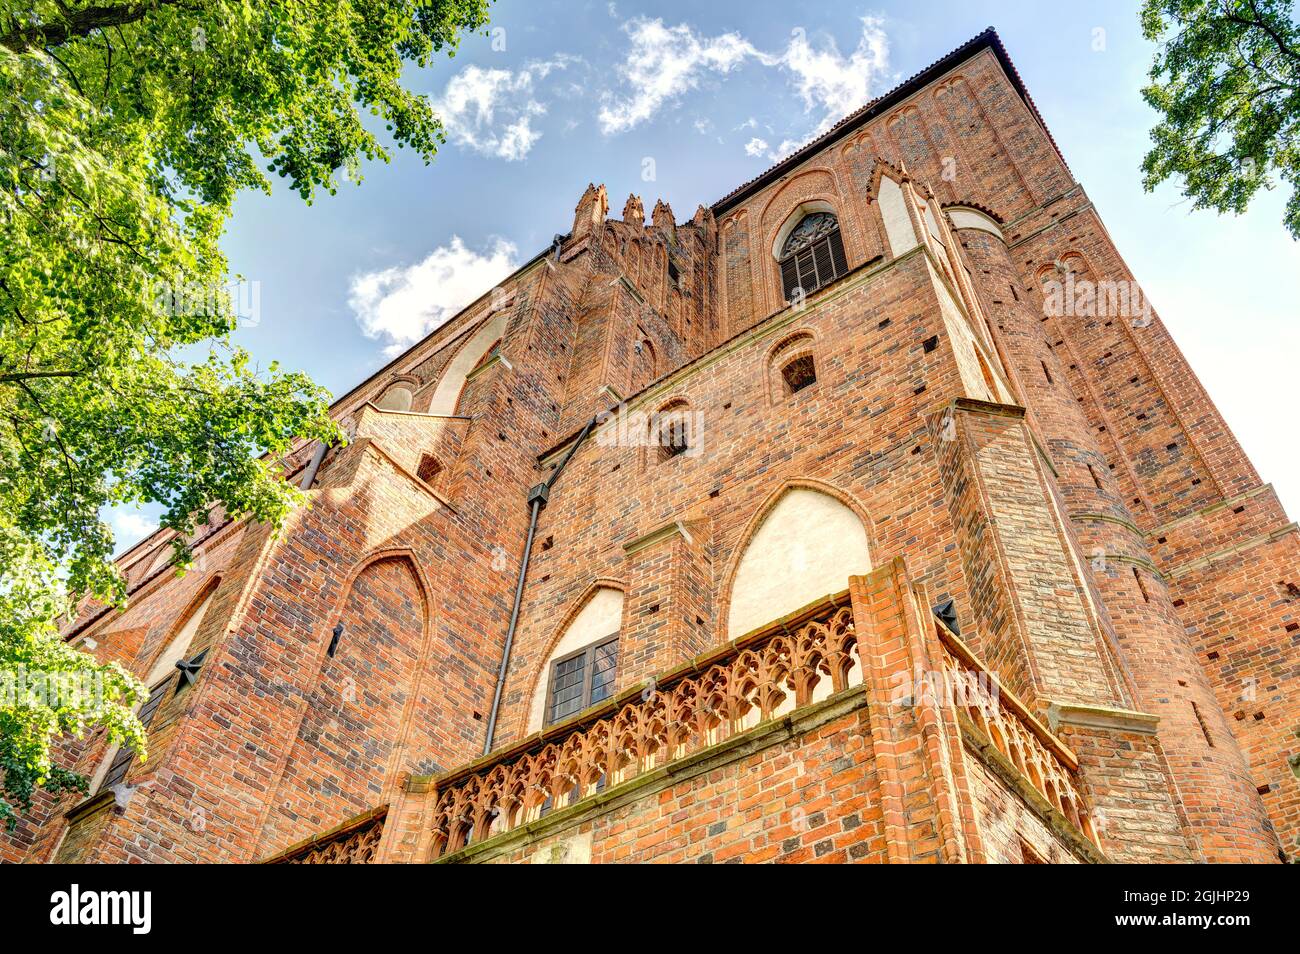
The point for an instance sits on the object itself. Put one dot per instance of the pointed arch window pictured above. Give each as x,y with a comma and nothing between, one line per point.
123,757
812,255
171,672
672,431
791,367
582,668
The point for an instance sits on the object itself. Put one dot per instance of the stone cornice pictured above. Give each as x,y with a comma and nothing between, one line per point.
1101,717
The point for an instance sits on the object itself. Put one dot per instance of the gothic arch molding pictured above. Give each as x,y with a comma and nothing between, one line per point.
451,383
377,556
201,595
398,393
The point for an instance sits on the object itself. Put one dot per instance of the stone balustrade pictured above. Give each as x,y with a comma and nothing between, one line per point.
766,675
746,683
355,842
1014,731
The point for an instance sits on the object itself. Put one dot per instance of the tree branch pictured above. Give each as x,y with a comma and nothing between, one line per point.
19,376
79,24
1261,23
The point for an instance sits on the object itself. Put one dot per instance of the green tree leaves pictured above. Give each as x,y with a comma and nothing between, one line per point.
126,131
1227,84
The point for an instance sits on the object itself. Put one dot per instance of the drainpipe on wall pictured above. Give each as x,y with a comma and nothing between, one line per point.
309,477
537,498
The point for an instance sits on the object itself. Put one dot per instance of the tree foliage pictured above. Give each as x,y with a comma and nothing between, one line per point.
126,131
1226,81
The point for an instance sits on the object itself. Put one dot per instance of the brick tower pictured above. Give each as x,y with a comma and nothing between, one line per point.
869,514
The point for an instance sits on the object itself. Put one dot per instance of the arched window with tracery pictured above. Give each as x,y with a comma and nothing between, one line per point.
812,255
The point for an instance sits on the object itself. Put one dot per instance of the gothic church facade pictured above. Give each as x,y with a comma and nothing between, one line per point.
867,515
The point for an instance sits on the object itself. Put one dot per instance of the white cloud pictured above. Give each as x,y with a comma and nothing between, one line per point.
492,111
129,525
403,304
835,84
758,148
663,63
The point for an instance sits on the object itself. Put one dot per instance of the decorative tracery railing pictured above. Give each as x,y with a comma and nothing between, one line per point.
353,843
666,722
1014,731
759,679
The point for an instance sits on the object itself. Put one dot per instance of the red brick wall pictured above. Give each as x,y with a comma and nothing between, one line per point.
804,801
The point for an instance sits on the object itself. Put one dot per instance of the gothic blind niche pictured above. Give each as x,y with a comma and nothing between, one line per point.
339,762
446,396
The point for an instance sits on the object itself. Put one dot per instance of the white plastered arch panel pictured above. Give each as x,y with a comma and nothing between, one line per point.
963,217
600,616
447,394
807,547
398,397
972,361
898,223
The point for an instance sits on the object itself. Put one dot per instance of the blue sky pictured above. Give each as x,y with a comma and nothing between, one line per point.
702,98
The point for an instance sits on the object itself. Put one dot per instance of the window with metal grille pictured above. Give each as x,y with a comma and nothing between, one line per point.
673,439
812,256
125,756
582,679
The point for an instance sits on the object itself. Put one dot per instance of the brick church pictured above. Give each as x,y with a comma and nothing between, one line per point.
868,514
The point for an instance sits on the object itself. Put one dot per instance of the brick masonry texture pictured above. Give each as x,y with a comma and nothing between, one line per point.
1063,478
